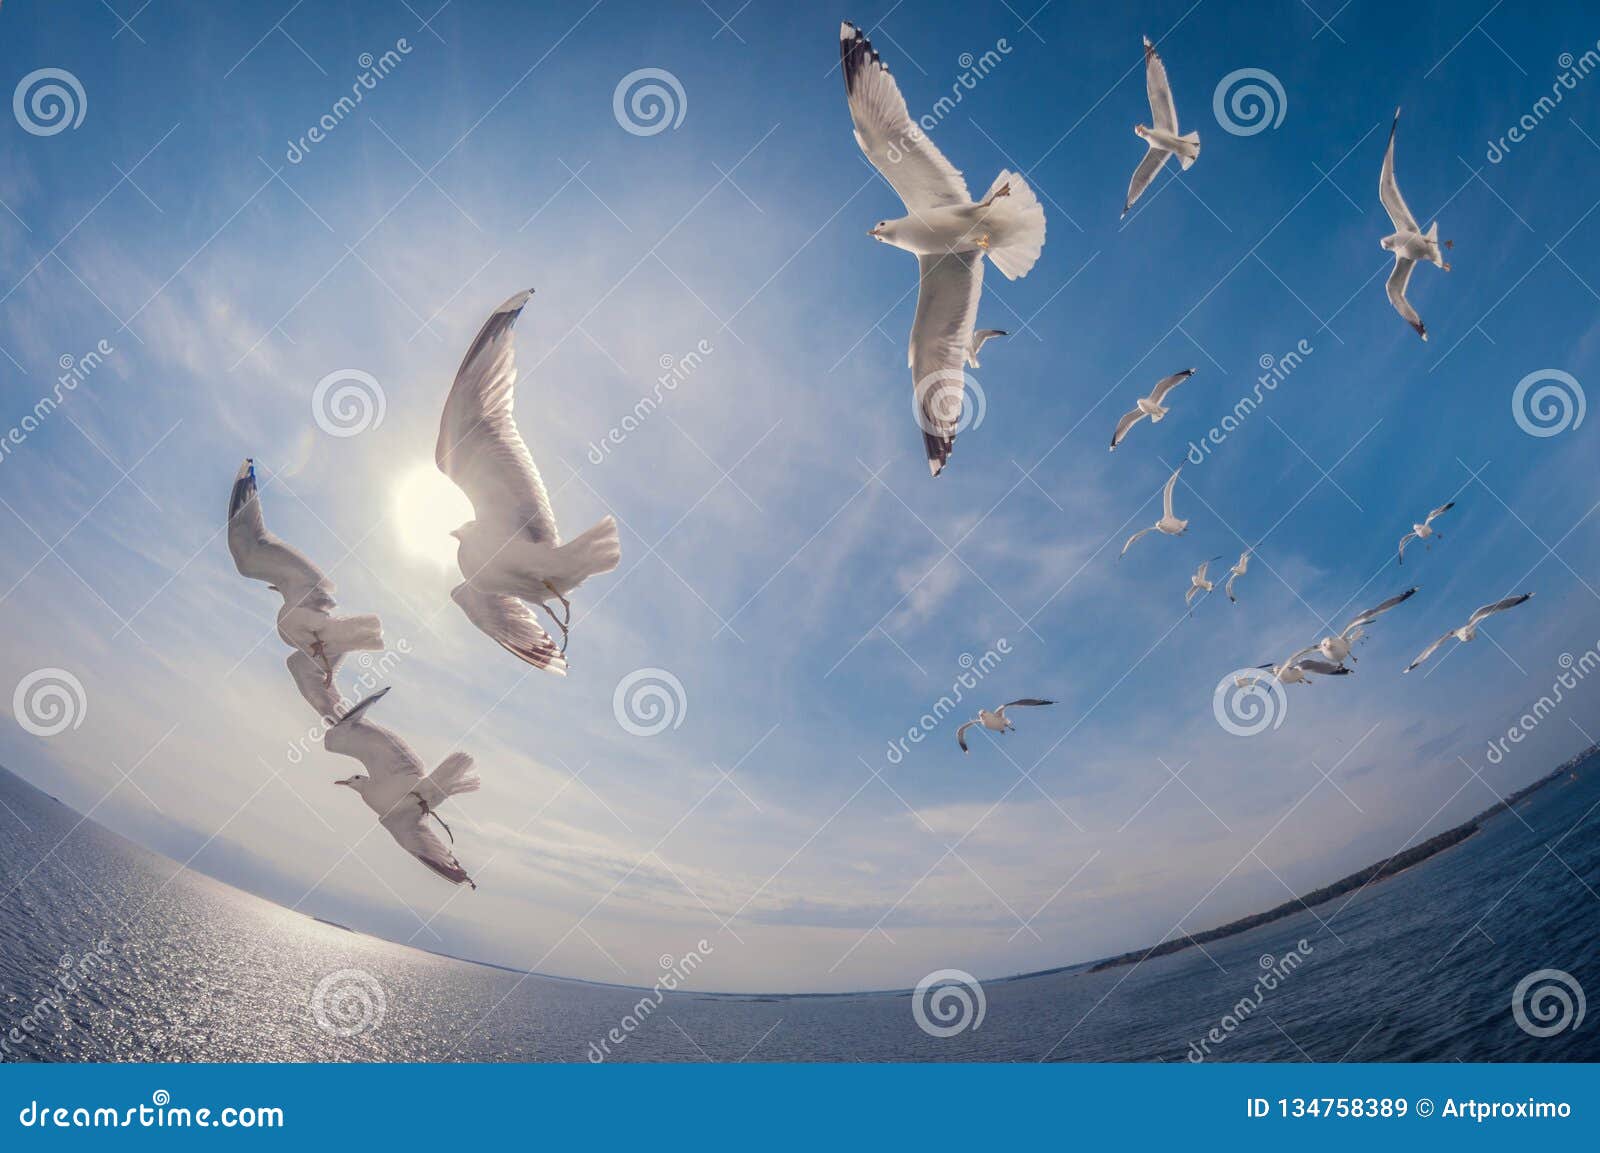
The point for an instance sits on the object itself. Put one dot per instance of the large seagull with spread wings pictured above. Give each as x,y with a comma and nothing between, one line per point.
947,232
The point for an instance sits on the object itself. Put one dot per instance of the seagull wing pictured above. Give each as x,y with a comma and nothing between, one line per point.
894,143
980,338
1396,288
1201,570
1405,540
260,555
1025,702
1497,607
1168,383
511,623
947,308
1326,668
961,736
479,446
1124,423
1389,191
407,824
1162,110
381,751
1440,511
1166,493
1429,651
1144,174
313,685
1131,539
1233,575
1298,657
1377,611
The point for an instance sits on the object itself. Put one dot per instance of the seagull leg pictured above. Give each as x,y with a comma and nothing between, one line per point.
560,624
321,656
427,811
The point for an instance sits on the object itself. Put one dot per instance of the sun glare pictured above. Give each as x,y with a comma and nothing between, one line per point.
427,506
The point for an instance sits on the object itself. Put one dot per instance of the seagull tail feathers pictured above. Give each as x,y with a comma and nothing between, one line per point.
362,633
454,776
598,550
1016,220
1189,155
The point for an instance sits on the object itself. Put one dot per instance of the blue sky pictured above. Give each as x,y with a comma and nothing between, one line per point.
785,555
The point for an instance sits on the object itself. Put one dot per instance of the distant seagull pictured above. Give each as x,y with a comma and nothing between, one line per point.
996,721
1198,582
944,229
1424,530
1168,523
1237,571
1337,647
396,789
1408,242
1150,406
1163,138
306,621
1469,630
980,338
511,554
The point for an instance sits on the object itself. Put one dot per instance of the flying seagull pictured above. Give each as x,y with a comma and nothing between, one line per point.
996,721
944,229
1168,523
1424,530
980,338
1150,406
1293,671
1237,571
1408,242
306,621
1198,582
1337,647
396,789
1469,630
1163,138
511,554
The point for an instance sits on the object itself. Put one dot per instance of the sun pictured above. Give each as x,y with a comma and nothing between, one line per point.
427,506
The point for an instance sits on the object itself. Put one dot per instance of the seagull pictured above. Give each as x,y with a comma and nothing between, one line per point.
1408,242
511,554
980,338
320,693
944,229
996,721
1168,523
1149,405
1337,648
1235,573
1469,630
396,789
306,621
1424,530
1163,139
1293,671
1198,582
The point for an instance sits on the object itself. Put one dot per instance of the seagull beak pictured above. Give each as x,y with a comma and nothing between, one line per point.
873,231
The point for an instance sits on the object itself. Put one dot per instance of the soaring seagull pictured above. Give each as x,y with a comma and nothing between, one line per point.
510,554
1237,571
1337,646
396,789
1150,406
1408,242
1424,530
1163,137
1168,524
1469,630
945,230
996,721
306,621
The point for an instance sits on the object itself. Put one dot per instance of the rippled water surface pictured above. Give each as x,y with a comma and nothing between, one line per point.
177,967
